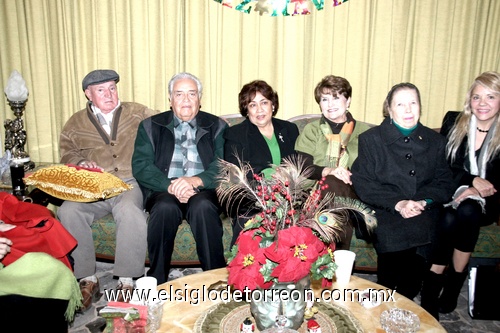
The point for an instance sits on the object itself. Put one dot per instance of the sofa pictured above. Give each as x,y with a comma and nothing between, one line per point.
487,247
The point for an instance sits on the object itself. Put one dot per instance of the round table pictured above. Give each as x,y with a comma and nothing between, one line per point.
181,316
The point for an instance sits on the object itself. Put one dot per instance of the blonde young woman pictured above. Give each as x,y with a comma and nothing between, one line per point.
473,151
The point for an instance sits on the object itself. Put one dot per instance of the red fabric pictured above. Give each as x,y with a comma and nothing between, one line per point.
51,238
120,325
82,168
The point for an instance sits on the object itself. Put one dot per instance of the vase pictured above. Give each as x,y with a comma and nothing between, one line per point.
286,299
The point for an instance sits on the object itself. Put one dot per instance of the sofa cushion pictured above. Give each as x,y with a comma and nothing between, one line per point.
302,120
488,243
104,234
366,256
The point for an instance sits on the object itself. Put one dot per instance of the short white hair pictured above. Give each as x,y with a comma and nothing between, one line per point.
185,75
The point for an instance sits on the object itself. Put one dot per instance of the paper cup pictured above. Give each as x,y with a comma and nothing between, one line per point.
345,262
145,285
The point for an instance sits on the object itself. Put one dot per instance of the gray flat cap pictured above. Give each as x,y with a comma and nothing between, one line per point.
99,76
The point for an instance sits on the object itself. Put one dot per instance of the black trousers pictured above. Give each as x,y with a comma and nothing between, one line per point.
402,271
32,314
458,229
166,213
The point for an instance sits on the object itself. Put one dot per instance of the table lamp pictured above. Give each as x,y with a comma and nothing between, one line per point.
15,135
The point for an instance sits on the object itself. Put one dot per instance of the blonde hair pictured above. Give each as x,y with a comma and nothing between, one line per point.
491,81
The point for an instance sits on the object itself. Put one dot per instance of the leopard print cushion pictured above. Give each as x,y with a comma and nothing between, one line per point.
76,184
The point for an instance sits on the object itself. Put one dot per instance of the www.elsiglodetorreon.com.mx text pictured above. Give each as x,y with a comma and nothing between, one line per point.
195,296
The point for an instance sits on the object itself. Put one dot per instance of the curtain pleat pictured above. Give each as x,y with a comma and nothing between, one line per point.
440,46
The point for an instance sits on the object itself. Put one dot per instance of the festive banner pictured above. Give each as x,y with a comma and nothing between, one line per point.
278,7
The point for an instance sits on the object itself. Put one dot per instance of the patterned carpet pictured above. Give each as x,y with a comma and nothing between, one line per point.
458,321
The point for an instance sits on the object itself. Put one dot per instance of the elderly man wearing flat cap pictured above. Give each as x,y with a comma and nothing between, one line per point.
102,136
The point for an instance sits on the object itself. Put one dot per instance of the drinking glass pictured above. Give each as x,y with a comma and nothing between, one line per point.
155,312
399,321
17,175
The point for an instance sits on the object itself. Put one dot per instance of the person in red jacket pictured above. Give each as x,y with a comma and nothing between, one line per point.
36,230
36,275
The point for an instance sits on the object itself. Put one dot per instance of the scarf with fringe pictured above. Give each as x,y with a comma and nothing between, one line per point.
336,153
39,275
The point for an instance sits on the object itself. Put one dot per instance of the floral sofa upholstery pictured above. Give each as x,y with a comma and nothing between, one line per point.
487,248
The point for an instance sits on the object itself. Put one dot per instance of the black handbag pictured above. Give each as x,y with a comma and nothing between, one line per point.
484,292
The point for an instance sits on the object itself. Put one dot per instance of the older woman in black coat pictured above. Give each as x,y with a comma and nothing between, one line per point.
260,140
401,171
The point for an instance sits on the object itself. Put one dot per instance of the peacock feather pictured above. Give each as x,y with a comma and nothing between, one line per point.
289,198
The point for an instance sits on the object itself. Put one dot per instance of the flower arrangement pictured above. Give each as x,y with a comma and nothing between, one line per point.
295,232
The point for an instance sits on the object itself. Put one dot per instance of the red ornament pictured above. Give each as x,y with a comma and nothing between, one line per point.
313,326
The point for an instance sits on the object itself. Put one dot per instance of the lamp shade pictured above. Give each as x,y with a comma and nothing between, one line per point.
16,90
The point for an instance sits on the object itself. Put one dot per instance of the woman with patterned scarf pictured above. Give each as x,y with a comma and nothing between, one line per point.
330,144
473,151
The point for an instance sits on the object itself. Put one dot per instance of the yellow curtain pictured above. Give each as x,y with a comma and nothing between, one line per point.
440,46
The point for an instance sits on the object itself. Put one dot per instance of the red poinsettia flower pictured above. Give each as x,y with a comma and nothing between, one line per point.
244,268
327,282
295,251
288,239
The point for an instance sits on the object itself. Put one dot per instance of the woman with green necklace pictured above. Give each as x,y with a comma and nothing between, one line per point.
401,171
330,144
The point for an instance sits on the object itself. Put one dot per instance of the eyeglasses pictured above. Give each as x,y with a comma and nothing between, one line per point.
263,104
